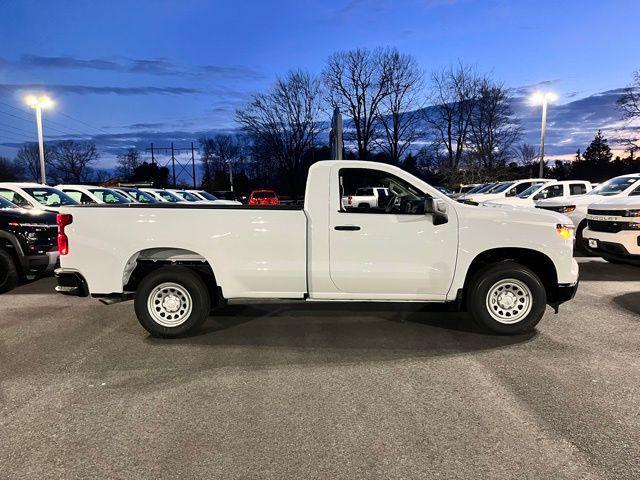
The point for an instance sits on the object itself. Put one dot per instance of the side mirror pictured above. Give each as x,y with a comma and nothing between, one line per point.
438,208
511,193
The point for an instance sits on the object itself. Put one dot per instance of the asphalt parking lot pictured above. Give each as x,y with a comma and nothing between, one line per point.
286,390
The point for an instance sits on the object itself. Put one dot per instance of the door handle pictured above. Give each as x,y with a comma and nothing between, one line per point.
347,228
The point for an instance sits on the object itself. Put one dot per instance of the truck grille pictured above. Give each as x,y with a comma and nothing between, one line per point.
611,213
608,227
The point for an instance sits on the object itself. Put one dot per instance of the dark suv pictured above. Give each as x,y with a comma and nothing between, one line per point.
28,244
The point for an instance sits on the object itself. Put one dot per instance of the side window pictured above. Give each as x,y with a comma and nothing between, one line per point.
395,196
550,192
635,191
577,189
79,197
15,198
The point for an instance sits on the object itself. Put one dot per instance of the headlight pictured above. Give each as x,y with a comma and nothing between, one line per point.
633,226
632,213
565,231
567,209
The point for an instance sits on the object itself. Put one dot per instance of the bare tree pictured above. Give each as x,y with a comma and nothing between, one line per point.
8,170
128,162
28,160
629,106
284,122
493,128
527,153
398,114
71,161
219,153
453,95
357,82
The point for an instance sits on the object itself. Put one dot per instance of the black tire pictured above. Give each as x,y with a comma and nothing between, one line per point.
186,280
9,275
483,283
580,244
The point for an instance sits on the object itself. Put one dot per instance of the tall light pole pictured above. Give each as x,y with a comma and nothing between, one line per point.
38,103
540,98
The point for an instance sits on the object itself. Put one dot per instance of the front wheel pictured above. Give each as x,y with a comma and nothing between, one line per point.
507,298
172,301
9,276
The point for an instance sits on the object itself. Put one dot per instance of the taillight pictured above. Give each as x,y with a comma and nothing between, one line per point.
63,219
350,200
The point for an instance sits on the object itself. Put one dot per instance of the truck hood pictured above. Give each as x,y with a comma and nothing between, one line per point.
483,197
514,213
513,201
617,203
572,200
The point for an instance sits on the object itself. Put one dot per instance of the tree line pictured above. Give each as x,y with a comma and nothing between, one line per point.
451,126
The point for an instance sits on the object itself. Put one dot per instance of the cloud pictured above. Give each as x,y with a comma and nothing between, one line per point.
9,88
159,66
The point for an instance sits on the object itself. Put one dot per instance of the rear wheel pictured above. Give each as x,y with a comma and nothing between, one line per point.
9,275
172,301
507,298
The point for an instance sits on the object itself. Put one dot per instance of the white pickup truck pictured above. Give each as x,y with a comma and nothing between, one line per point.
180,260
613,229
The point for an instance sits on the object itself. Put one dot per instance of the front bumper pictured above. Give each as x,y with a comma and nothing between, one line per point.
563,293
71,282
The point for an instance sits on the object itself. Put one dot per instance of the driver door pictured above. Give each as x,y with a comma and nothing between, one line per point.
393,251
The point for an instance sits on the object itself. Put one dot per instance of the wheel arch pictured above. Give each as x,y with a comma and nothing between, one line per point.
143,262
534,260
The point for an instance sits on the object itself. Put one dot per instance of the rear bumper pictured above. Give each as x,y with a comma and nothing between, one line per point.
39,264
71,282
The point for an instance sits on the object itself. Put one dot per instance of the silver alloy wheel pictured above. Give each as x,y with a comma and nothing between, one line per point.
509,301
169,304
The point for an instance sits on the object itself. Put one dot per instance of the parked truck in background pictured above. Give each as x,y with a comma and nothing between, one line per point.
613,229
28,244
179,260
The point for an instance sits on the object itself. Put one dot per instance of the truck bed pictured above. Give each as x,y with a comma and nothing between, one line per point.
255,251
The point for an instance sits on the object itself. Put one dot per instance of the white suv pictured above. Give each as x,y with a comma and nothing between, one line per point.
35,195
543,191
613,229
504,190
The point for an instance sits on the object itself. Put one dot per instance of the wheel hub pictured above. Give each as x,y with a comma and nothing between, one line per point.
509,301
169,304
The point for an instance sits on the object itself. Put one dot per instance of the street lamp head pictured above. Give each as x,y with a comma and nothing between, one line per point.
538,98
38,102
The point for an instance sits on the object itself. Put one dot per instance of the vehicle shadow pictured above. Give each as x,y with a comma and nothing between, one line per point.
597,269
343,332
629,301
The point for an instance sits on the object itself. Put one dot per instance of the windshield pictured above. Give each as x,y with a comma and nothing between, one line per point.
143,197
476,188
486,187
168,196
207,195
109,196
614,186
501,187
190,197
50,197
4,203
529,191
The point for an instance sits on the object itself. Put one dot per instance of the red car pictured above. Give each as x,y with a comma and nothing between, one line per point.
263,197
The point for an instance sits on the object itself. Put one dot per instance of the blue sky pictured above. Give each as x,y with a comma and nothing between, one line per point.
140,70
